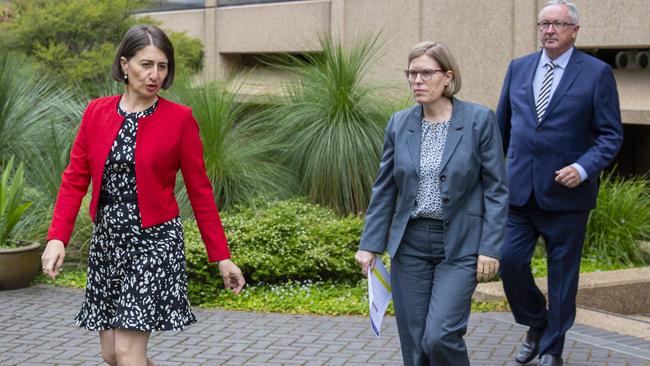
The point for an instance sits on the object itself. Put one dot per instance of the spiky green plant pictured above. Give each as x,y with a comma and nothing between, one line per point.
26,99
12,205
620,220
46,164
333,120
241,154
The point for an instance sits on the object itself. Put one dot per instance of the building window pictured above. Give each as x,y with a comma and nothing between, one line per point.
166,5
221,3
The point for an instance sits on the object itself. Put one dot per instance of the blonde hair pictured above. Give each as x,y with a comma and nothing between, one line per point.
441,54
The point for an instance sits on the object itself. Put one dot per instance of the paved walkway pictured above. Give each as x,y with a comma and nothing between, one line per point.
36,329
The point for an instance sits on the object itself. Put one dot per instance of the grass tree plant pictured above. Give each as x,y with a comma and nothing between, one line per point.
333,120
37,119
241,154
26,102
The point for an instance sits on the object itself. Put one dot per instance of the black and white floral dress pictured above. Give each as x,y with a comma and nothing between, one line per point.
136,277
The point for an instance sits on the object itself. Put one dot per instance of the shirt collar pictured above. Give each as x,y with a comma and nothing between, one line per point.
560,62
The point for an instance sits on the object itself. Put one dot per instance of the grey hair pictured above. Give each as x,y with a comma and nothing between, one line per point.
573,9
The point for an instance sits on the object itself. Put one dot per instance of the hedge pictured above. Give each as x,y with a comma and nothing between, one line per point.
279,241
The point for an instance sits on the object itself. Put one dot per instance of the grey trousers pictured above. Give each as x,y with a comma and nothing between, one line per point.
432,297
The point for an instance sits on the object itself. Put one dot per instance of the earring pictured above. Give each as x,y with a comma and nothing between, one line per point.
126,77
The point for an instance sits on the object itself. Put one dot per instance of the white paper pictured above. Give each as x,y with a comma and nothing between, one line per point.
379,295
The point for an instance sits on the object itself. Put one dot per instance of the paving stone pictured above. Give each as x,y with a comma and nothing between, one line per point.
36,328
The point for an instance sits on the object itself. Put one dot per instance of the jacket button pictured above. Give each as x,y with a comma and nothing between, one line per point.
445,200
443,178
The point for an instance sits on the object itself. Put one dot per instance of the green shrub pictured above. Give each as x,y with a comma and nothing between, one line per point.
188,52
588,263
76,40
619,221
277,242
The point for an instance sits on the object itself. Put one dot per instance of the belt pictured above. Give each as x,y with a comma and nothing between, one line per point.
425,220
108,199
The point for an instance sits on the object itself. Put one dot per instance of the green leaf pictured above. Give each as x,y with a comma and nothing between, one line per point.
333,121
11,196
241,155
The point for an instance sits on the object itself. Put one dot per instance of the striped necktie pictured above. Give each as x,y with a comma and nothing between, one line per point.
545,91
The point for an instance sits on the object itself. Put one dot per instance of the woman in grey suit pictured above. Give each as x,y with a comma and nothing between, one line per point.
439,207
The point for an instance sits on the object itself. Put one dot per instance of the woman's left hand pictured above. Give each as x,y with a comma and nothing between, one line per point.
486,268
233,279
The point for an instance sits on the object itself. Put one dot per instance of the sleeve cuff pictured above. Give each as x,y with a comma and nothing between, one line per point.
581,171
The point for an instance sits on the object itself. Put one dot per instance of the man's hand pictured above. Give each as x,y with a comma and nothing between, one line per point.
366,260
233,279
486,267
568,177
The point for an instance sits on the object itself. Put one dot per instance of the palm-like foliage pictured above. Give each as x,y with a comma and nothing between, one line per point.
241,156
47,160
26,99
333,122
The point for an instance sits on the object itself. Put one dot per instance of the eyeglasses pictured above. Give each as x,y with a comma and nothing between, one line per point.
425,74
557,25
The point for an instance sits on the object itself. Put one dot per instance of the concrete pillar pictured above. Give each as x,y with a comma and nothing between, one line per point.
337,19
212,63
209,40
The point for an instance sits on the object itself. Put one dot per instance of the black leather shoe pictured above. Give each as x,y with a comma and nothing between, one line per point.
530,348
550,360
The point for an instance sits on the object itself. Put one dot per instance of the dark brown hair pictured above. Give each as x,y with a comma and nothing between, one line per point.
137,38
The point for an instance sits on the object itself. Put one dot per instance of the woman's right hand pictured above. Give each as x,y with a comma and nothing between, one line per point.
52,258
233,279
366,260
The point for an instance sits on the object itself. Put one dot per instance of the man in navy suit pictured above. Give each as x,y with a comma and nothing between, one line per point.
560,121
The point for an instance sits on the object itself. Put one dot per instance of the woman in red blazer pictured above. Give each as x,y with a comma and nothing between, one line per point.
130,148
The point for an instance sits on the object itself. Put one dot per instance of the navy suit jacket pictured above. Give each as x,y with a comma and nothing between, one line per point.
472,183
582,124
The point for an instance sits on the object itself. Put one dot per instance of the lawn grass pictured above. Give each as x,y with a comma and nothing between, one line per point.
321,298
587,264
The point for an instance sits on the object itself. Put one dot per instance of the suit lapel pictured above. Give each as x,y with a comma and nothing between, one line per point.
573,68
414,137
455,132
530,92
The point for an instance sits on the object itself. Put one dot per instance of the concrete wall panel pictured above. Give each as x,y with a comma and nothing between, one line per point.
399,24
483,35
188,21
614,24
480,35
280,27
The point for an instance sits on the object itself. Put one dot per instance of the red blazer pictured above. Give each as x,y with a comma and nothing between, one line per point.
167,140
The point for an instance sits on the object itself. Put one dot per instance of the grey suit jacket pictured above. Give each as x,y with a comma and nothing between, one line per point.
472,183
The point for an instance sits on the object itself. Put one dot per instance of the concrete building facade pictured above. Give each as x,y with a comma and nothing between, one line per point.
484,35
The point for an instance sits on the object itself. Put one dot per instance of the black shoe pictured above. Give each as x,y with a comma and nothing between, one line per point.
530,348
550,360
